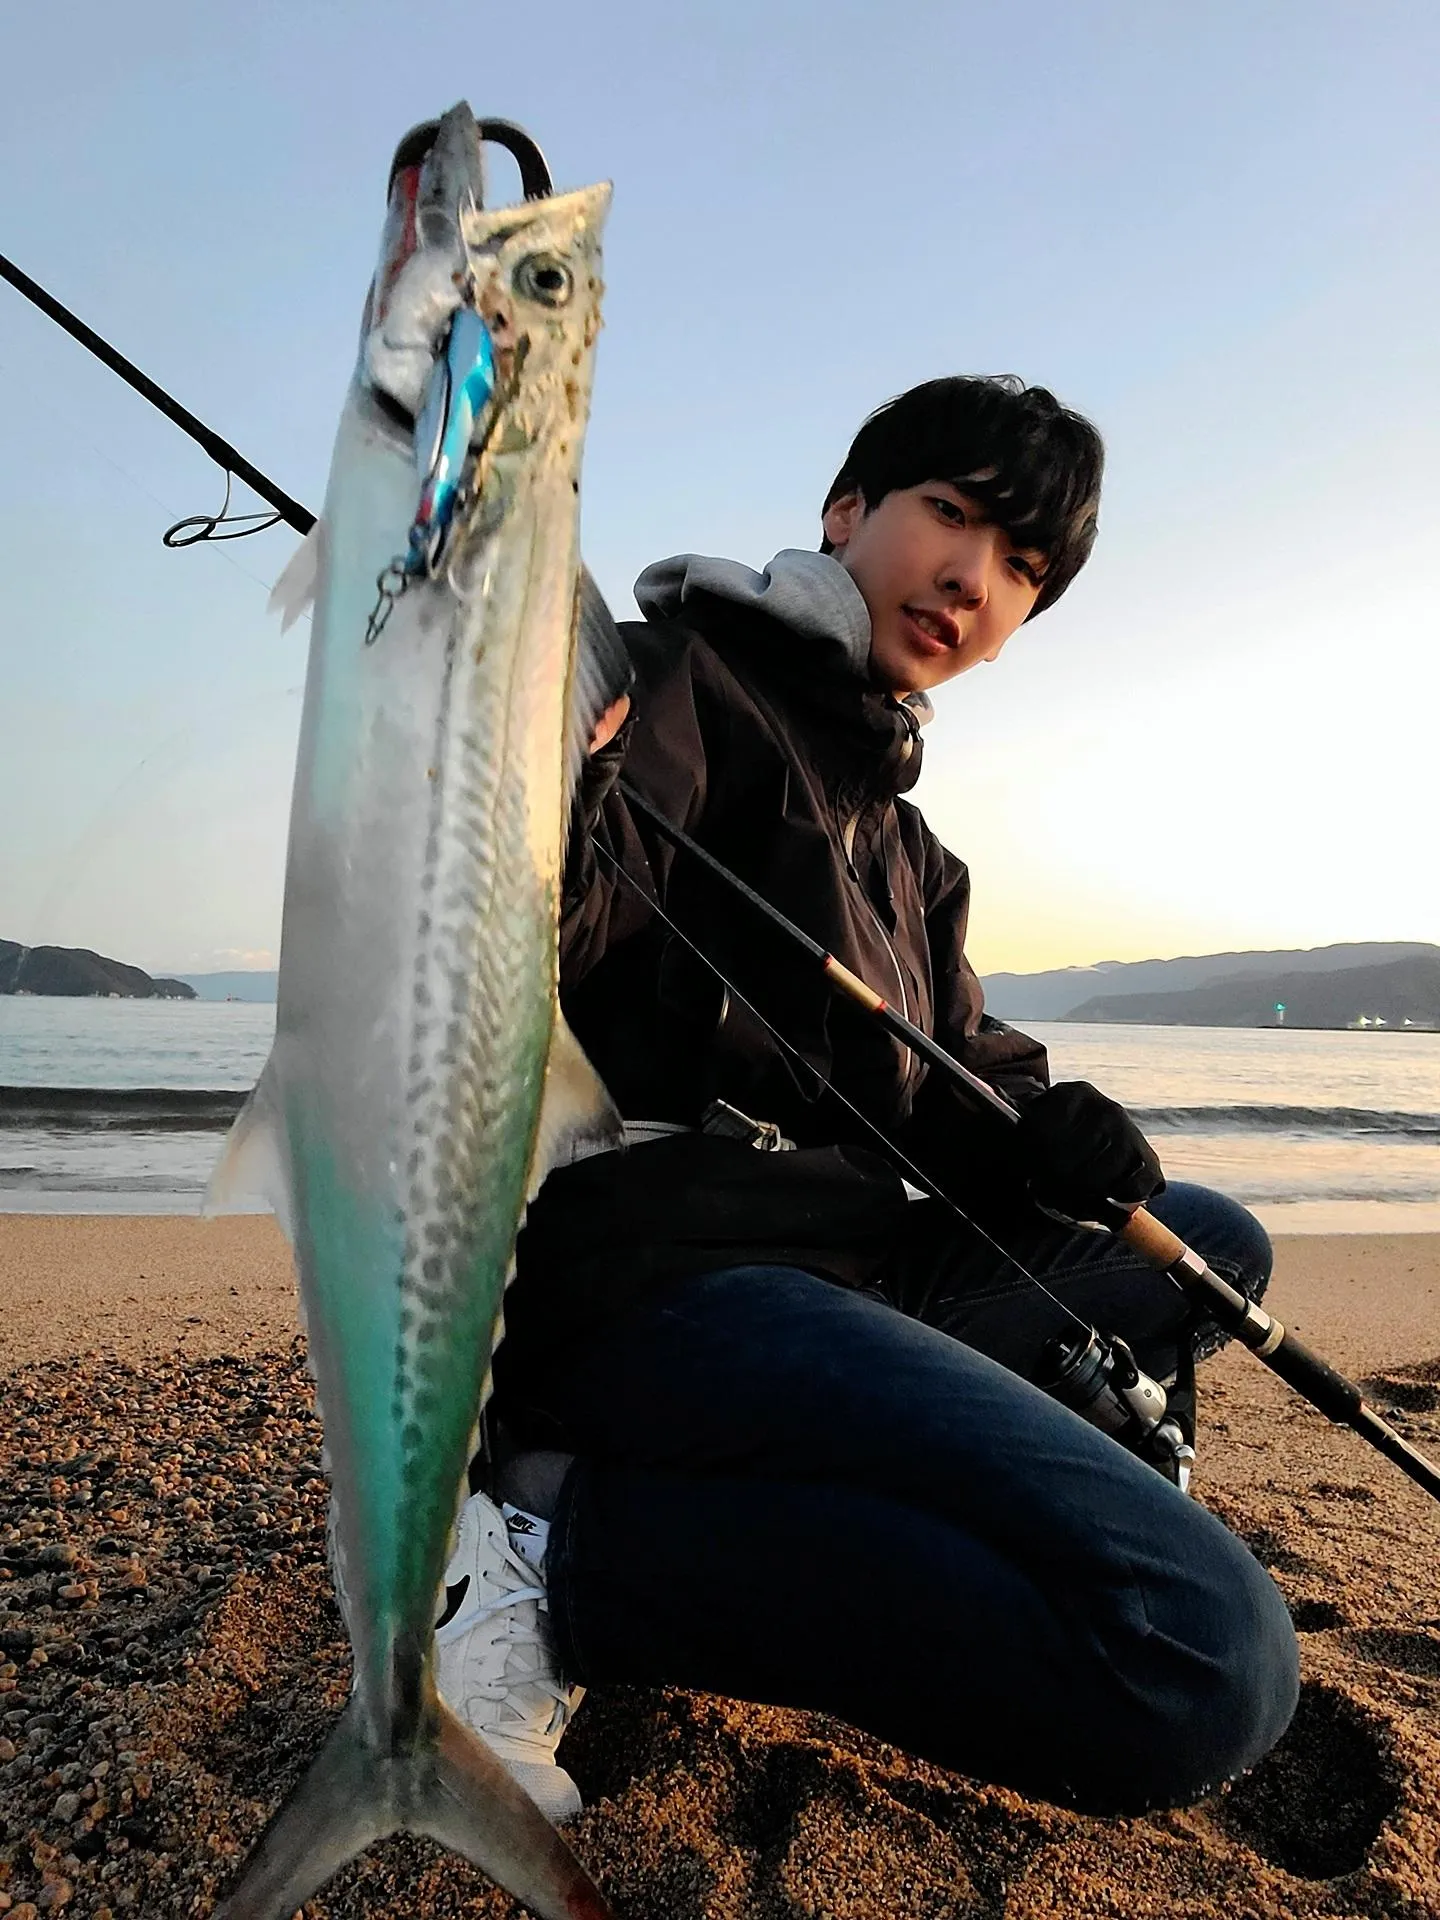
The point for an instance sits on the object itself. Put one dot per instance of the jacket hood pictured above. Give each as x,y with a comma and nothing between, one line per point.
810,593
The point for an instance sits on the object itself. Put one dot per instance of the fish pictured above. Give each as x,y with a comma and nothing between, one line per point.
423,1080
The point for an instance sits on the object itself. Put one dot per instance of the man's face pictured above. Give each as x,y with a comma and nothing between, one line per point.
945,587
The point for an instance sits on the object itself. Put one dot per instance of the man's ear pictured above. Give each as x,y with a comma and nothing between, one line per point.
842,516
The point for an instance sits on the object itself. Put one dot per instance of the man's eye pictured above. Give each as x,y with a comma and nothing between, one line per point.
1026,570
948,509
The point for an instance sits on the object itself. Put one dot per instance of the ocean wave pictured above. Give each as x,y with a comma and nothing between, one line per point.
1265,1119
49,1180
101,1108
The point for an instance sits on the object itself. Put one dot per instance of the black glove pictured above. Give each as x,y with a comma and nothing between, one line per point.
1086,1161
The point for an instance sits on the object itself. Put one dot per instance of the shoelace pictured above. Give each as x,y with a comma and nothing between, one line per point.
519,1631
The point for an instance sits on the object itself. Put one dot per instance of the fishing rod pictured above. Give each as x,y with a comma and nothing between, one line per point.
220,451
1339,1399
536,184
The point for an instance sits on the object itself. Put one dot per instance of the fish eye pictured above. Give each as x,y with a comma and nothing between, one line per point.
545,278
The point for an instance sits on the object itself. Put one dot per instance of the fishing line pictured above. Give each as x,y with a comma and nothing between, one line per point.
84,436
220,451
892,1152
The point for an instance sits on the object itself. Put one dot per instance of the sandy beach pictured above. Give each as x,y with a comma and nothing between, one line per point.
170,1655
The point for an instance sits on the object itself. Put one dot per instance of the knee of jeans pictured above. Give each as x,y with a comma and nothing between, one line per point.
1256,1259
1208,1706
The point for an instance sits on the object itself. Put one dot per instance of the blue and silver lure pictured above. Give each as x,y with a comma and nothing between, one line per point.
460,389
462,384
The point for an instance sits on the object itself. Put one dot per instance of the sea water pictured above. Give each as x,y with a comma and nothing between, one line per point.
1316,1131
96,1044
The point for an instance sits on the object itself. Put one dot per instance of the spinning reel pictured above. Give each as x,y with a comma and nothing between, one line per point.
1101,1380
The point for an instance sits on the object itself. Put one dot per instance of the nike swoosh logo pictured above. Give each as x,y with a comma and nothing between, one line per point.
454,1600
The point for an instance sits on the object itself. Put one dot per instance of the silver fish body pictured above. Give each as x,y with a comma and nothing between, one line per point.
422,1080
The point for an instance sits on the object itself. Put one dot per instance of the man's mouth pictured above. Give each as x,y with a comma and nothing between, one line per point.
936,628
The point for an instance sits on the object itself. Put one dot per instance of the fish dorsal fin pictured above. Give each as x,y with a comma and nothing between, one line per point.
252,1166
294,592
603,671
577,1115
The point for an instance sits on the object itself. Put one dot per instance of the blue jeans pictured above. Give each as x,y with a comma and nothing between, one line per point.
793,1493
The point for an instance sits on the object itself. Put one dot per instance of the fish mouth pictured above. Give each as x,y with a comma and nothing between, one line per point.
416,148
436,178
433,353
392,413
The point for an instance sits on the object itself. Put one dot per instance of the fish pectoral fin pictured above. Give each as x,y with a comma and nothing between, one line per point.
449,1787
252,1165
470,1804
603,670
299,582
342,1805
577,1115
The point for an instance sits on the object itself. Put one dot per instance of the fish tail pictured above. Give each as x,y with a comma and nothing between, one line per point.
449,1787
334,1813
474,1807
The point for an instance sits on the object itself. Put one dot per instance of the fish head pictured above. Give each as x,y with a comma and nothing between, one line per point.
536,274
479,330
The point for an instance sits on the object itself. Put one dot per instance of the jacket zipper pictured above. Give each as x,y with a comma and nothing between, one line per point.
847,838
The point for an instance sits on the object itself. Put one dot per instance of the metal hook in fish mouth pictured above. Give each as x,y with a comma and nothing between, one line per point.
536,180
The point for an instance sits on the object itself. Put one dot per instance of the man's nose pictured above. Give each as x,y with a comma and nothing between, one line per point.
968,581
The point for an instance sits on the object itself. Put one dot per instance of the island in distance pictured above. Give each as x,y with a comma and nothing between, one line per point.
1384,984
77,973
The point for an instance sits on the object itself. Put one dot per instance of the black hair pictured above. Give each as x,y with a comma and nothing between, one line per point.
1033,465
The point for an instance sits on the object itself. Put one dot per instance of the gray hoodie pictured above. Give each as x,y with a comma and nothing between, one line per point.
811,593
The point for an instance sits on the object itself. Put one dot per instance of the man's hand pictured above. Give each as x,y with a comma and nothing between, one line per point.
609,723
1086,1161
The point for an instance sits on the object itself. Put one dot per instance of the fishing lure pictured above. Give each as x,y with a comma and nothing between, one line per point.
461,387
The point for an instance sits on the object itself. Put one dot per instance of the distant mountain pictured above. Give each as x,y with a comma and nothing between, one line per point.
1406,992
77,973
233,986
1050,996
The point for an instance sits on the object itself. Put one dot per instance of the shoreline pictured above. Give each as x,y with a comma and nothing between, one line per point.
142,1284
1282,1219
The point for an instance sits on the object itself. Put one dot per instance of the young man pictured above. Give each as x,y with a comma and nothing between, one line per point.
768,1425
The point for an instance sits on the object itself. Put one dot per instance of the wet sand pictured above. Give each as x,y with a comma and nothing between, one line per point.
170,1655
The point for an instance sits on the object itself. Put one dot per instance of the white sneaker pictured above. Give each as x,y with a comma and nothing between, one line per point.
494,1664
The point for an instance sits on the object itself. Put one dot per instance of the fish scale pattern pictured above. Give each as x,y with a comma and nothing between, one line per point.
482,1009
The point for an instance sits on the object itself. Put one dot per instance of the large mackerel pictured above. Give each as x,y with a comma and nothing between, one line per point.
422,1080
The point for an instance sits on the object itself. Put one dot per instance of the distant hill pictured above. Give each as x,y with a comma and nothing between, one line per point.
1052,995
233,986
77,973
1406,992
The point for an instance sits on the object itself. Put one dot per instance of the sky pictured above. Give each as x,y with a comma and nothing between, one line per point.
1212,229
